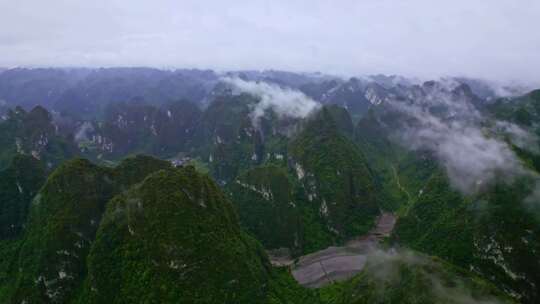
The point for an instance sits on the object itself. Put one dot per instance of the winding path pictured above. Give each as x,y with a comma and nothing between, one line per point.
400,187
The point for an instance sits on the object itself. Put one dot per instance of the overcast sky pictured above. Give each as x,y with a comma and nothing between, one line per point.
494,39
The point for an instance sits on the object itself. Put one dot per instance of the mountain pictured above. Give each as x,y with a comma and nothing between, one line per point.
147,232
175,236
84,93
170,233
102,87
264,197
33,133
50,260
524,110
334,175
286,202
358,95
226,138
399,173
281,78
354,95
409,277
242,176
230,140
138,127
19,183
493,234
29,88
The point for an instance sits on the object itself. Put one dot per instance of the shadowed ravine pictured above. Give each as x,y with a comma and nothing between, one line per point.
340,263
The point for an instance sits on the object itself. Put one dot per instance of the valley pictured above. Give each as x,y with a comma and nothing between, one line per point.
269,152
335,264
270,188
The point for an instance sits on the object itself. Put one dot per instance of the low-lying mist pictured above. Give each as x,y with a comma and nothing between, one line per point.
393,269
474,149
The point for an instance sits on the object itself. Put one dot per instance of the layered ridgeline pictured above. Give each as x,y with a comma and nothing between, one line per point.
19,183
116,112
223,136
48,262
97,234
226,139
494,234
524,110
303,182
123,129
175,237
492,231
33,133
265,201
85,93
137,127
316,191
408,277
335,178
102,235
236,134
399,173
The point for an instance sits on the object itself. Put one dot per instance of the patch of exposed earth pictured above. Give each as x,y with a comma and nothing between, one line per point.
338,263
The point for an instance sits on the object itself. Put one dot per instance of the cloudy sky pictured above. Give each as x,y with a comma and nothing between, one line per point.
494,39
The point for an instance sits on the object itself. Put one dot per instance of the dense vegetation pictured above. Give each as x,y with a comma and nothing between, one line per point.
92,229
406,277
19,183
98,234
33,133
175,236
49,260
266,207
323,195
495,233
335,176
138,230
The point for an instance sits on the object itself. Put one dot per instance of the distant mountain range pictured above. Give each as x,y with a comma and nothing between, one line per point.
243,165
86,91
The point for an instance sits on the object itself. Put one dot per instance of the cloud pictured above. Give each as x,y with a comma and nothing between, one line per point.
518,136
531,201
474,155
387,266
495,39
81,134
284,102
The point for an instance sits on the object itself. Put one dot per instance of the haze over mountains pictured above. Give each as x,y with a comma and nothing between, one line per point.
262,169
273,152
57,88
495,40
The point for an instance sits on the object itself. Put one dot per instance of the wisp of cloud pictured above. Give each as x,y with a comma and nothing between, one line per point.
473,155
284,102
386,267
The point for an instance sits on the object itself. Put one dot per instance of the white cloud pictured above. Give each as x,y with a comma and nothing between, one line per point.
284,102
494,39
473,155
386,268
